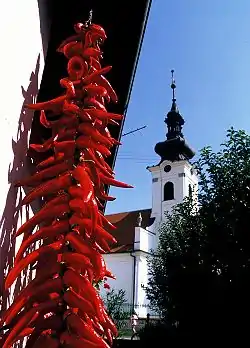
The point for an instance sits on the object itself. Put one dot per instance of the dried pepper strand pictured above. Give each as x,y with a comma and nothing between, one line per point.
61,305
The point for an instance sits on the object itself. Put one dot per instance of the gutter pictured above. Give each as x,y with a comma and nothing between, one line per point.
133,289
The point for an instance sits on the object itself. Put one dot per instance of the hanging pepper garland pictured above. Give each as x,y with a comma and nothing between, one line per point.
61,306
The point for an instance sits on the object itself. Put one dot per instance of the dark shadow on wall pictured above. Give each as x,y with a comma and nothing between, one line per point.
13,211
46,8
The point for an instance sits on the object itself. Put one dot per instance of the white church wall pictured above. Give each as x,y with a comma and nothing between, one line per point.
141,281
181,175
144,240
122,266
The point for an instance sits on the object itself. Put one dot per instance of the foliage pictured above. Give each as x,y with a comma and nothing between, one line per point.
161,331
200,275
115,302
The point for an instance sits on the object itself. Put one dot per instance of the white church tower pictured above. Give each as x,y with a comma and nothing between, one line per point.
174,177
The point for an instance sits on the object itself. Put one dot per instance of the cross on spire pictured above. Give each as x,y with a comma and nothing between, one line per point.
173,85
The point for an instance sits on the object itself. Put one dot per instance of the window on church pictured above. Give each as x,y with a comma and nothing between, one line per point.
168,191
190,190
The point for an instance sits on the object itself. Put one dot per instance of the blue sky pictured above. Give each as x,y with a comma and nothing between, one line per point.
208,44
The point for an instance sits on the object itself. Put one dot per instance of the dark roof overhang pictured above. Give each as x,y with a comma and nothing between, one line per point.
124,23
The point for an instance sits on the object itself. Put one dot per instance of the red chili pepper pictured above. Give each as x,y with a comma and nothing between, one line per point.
84,330
92,90
94,103
78,205
45,213
89,155
107,222
110,181
49,286
80,174
103,244
47,173
43,147
52,160
52,186
84,141
13,335
67,134
44,121
96,325
102,81
69,107
76,342
109,274
71,183
113,122
91,52
100,231
59,227
109,324
76,301
100,193
20,300
79,28
66,83
87,128
71,49
103,115
105,132
32,257
82,247
94,75
78,244
66,147
95,63
73,38
54,104
74,259
77,68
53,322
98,30
69,121
84,288
93,172
84,116
89,209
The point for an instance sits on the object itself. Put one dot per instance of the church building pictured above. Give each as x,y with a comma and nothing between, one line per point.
137,232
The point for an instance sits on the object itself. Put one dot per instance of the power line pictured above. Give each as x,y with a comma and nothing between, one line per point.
133,131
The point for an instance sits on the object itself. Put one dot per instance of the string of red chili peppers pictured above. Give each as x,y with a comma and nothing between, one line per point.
61,306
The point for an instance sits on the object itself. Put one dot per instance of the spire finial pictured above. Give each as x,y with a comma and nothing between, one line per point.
139,219
173,85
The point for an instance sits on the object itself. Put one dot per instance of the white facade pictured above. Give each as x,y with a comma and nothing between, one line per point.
131,270
21,68
182,180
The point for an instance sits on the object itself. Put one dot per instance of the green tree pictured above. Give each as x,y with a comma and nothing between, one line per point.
115,302
200,275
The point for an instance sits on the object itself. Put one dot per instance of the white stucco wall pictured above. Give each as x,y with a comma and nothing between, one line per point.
141,280
180,175
144,240
122,266
21,68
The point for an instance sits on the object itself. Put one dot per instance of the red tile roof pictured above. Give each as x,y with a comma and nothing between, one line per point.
125,228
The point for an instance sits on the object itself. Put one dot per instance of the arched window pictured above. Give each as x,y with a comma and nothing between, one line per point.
168,191
190,190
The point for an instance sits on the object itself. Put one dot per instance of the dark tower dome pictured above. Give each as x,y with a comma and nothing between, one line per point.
174,148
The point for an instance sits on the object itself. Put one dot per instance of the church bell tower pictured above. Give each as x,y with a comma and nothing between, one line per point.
173,177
